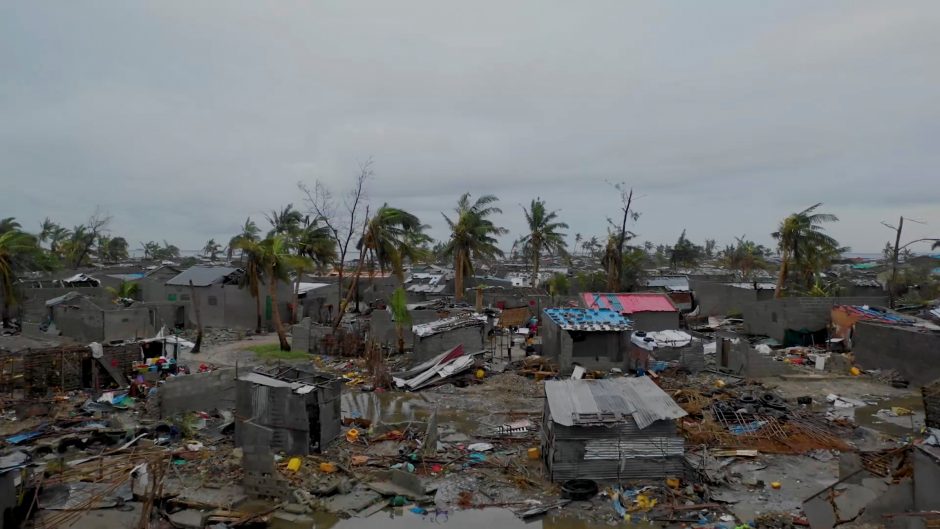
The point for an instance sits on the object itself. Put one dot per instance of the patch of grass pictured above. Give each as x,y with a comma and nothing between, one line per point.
272,351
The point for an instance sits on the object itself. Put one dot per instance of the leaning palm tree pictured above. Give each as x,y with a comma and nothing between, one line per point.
544,235
286,221
211,249
253,276
473,236
275,256
800,238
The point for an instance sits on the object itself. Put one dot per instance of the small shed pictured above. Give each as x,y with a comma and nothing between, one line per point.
301,407
610,429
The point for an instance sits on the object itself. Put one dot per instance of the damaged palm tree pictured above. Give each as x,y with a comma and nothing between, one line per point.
473,236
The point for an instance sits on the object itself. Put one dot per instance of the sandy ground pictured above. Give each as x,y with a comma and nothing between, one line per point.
228,354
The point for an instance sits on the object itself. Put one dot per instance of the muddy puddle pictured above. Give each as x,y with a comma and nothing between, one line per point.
403,518
879,417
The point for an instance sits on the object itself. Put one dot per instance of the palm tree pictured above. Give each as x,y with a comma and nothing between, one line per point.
473,236
9,224
577,241
543,234
17,252
315,243
253,267
211,249
275,257
398,304
126,290
249,233
612,261
745,256
800,241
287,221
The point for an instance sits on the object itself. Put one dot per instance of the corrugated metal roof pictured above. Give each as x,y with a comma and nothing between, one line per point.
671,283
201,276
592,402
629,302
597,320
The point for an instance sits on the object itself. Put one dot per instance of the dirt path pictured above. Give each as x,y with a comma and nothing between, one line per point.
227,354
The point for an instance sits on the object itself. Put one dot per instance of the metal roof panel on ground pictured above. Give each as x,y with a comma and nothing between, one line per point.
201,276
605,401
629,302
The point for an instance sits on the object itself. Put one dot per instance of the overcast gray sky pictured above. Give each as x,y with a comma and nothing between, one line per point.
182,118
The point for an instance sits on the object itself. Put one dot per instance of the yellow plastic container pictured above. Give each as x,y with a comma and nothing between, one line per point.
352,435
294,464
329,468
534,453
481,374
855,372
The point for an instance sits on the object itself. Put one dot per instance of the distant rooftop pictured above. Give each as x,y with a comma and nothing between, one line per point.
596,320
629,302
201,275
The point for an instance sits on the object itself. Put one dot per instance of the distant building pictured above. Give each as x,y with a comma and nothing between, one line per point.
593,338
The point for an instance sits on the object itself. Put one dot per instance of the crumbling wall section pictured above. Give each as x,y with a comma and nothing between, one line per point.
128,323
722,299
737,355
913,354
198,392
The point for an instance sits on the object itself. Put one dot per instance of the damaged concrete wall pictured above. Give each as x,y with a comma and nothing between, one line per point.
914,354
198,392
773,317
472,338
721,299
382,327
736,354
654,321
32,301
129,323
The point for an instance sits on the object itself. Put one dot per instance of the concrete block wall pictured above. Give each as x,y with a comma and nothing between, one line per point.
655,321
914,354
773,317
744,360
32,301
721,299
198,392
472,338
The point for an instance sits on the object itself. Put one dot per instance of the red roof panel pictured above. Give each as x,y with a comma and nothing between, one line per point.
629,302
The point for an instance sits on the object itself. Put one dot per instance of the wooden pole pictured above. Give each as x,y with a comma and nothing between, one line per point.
194,300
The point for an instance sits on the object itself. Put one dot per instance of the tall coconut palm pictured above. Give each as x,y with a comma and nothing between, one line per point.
9,224
800,239
389,238
544,235
278,262
577,241
473,236
18,250
286,221
253,266
249,233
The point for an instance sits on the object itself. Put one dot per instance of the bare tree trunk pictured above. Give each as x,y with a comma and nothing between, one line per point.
401,338
294,318
276,313
258,313
782,276
349,294
623,235
535,268
458,275
894,264
194,299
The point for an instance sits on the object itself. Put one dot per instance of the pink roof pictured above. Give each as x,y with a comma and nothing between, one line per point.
629,302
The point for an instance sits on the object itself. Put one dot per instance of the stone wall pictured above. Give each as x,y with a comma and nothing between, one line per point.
198,392
773,317
914,354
